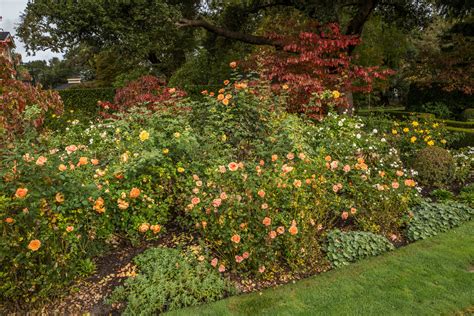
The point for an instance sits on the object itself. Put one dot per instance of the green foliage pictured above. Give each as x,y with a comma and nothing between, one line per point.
455,101
442,195
343,248
435,167
429,219
468,115
467,195
439,109
167,279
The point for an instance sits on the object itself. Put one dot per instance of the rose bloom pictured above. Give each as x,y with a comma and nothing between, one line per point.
393,237
122,204
216,202
274,157
196,190
95,162
195,200
261,269
41,160
302,156
395,185
82,161
344,215
134,193
70,149
264,206
59,197
280,230
328,158
222,169
272,234
204,224
334,164
221,268
199,183
233,64
144,135
290,156
143,228
353,210
214,262
239,259
293,230
195,177
9,220
235,238
308,181
99,205
267,221
62,167
297,183
34,245
69,229
223,196
347,168
155,228
335,188
261,163
21,193
261,193
399,173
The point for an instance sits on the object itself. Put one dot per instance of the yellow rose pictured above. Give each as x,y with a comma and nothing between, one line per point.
336,94
413,139
430,143
406,129
415,123
180,169
166,151
394,132
144,135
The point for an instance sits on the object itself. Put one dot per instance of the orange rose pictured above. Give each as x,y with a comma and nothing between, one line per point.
225,101
99,205
272,234
21,193
233,65
62,167
34,245
155,228
328,158
233,166
134,193
293,230
226,82
280,230
69,229
41,160
95,162
9,220
82,161
220,97
235,238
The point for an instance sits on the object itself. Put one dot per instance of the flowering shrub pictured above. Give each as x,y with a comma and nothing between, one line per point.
148,91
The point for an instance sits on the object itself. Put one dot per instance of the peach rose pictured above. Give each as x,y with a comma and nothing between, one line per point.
280,230
21,193
290,156
261,193
214,262
246,255
261,269
297,183
274,157
62,167
328,158
82,161
155,228
9,220
41,160
222,169
195,200
216,202
221,268
69,229
239,259
233,65
267,221
347,168
344,215
395,185
144,227
235,238
59,197
95,162
293,230
272,234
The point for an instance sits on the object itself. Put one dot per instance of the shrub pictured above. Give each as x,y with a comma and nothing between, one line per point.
442,195
467,195
439,109
167,280
148,92
435,167
343,248
468,115
22,106
429,219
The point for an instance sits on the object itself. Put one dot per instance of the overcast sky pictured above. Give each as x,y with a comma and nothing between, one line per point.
10,10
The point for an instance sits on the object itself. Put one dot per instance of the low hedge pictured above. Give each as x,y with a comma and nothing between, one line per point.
466,140
85,100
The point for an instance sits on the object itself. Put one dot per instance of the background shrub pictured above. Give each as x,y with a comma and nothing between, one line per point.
440,109
167,279
468,115
435,167
343,248
429,219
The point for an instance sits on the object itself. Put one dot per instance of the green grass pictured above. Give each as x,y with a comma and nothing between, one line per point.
429,277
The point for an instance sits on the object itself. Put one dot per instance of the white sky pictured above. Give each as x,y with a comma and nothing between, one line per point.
10,10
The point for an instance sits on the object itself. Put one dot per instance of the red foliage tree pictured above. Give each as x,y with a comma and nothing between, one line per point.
148,91
314,62
16,97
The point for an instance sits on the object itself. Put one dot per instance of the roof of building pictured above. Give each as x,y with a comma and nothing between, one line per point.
4,35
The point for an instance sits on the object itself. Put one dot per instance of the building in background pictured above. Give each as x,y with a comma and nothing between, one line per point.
7,45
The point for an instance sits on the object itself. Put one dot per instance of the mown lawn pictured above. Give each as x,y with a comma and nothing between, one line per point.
430,277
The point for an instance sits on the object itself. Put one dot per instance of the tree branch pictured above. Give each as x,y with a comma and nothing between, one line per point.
246,38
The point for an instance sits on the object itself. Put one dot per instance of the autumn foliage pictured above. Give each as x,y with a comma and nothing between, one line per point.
22,105
147,91
312,62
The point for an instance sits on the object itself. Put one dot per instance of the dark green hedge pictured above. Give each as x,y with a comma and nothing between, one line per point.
84,101
456,101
